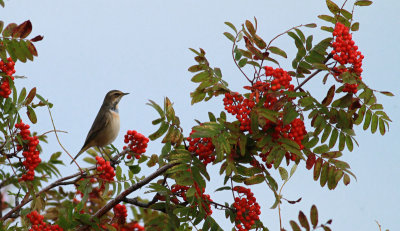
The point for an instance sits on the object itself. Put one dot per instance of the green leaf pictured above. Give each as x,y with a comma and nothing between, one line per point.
331,177
309,42
284,174
223,188
374,123
31,114
333,139
327,18
311,143
231,26
277,51
9,29
349,143
229,36
311,25
200,77
118,173
363,3
242,144
321,149
361,113
367,119
355,26
332,7
324,174
320,66
346,14
22,95
301,35
327,132
242,62
268,114
327,28
157,107
382,129
314,216
342,140
295,226
346,179
135,169
163,128
293,170
250,27
256,179
317,168
290,114
387,93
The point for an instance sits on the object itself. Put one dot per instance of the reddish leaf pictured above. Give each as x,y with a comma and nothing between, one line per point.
329,96
37,38
303,221
32,48
30,96
23,30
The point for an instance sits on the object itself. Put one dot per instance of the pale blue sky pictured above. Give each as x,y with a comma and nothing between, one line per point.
141,47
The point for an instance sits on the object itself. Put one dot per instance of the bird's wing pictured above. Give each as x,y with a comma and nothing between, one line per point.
98,125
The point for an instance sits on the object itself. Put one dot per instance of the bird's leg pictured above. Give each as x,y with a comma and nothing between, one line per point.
105,153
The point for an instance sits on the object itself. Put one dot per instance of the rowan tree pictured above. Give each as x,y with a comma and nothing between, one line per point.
271,125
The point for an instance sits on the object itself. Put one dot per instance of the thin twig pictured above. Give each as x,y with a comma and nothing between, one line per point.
58,140
313,74
282,34
53,131
233,56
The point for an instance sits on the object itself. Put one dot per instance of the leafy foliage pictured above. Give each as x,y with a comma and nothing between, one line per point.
265,134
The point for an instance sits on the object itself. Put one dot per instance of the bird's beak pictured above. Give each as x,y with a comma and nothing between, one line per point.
125,93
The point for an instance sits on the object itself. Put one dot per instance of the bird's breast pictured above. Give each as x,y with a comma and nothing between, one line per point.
111,131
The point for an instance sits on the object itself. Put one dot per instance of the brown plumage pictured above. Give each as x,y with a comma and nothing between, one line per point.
105,127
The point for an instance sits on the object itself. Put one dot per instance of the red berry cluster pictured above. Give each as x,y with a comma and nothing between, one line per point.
281,78
203,147
120,213
30,152
346,52
237,105
179,190
205,199
294,131
137,143
133,226
39,225
104,168
247,209
8,69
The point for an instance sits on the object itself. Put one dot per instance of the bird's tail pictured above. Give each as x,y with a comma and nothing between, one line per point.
77,155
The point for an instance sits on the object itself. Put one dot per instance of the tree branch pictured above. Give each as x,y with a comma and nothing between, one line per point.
56,183
128,191
313,74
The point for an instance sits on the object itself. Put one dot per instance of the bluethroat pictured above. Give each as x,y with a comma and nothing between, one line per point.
105,127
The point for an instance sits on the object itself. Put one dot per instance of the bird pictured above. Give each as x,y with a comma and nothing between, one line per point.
105,127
